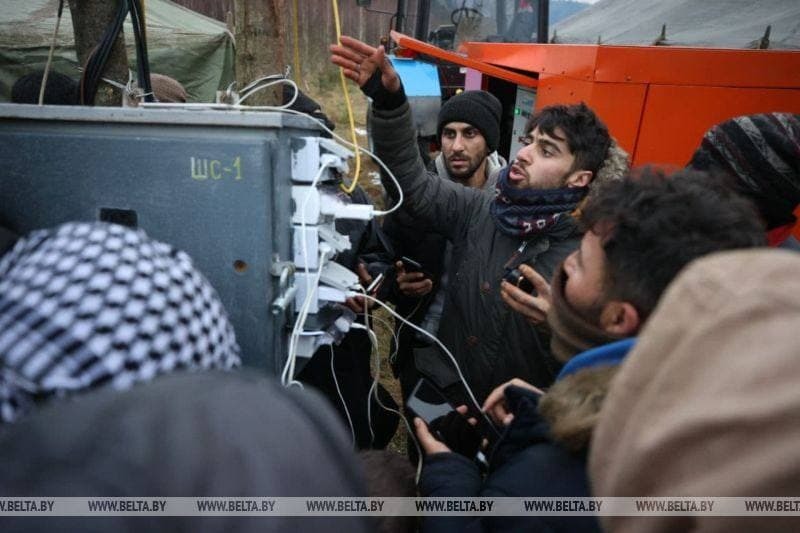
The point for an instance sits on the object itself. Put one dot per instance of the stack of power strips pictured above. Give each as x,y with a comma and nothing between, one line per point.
319,281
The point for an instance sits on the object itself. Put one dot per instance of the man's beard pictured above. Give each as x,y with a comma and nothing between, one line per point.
463,175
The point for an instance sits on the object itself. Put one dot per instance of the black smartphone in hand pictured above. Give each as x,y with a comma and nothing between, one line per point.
428,403
410,265
515,277
444,422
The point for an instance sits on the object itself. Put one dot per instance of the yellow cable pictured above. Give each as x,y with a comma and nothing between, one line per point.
296,41
352,186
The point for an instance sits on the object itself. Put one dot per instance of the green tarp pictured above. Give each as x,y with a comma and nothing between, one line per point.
194,49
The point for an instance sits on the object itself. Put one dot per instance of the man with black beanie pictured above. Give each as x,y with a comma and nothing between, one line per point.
469,131
528,220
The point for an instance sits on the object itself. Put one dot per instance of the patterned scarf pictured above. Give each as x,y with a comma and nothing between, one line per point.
89,305
527,212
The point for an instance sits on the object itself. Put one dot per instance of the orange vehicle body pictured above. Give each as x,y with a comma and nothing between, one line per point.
658,101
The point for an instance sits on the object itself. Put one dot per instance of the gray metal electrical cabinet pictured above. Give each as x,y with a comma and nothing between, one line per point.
216,184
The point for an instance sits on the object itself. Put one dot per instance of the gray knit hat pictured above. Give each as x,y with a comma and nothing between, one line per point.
478,108
87,305
762,154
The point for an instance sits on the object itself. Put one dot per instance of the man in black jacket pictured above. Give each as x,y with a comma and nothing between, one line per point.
469,132
528,221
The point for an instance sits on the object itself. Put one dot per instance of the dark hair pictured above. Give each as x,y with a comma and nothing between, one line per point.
652,225
60,90
390,475
586,135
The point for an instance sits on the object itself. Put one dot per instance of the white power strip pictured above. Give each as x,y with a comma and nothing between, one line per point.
338,277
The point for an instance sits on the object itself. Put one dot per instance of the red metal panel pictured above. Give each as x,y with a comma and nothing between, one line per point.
698,66
620,105
405,41
573,60
562,90
676,117
648,64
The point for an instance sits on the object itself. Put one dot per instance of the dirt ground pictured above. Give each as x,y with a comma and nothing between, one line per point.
331,98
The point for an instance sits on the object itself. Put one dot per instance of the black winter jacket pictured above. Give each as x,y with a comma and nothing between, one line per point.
526,463
491,342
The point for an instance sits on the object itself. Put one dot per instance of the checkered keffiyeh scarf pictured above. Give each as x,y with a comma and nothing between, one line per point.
91,304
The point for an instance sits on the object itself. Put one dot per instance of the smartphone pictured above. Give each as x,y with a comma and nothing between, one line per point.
409,265
375,285
428,403
515,277
444,422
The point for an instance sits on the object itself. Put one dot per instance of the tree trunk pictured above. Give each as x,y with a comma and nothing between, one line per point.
90,18
260,46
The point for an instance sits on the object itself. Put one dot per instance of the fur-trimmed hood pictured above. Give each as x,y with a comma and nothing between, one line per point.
571,407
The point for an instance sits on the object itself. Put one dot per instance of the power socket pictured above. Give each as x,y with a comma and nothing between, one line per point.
336,276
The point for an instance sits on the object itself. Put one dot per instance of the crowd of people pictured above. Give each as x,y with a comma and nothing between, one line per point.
603,331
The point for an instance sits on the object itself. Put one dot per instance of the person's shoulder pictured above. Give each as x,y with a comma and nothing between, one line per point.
559,472
566,230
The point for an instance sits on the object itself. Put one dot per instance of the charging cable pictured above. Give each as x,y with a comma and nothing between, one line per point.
373,391
341,397
439,343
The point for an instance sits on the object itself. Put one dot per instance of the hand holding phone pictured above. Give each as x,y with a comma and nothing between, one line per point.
375,285
515,277
529,293
410,265
447,424
412,280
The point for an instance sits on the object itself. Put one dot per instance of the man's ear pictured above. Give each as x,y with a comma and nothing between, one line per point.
579,178
620,318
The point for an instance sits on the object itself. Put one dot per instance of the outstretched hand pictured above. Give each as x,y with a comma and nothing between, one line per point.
533,308
359,62
495,404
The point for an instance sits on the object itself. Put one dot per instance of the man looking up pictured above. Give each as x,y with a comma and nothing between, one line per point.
528,221
469,132
640,233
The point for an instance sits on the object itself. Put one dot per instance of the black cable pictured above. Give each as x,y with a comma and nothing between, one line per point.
96,63
142,61
99,56
103,52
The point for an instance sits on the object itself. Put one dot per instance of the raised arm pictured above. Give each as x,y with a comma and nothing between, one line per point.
436,204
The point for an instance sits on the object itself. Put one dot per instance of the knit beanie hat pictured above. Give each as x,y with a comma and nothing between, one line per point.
60,89
305,104
478,108
762,154
89,305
